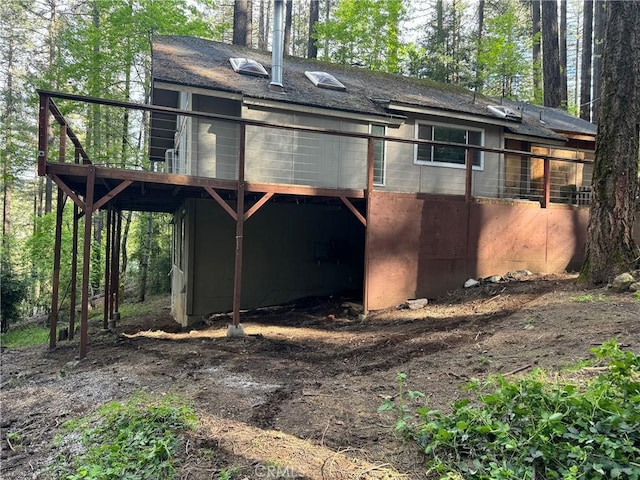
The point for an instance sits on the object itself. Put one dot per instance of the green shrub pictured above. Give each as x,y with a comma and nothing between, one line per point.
13,290
537,427
136,440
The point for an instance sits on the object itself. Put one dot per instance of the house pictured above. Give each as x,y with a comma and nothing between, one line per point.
334,179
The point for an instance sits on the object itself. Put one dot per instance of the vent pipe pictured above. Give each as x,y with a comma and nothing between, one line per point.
277,47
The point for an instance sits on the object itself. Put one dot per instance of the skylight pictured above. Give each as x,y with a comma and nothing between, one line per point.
325,80
248,67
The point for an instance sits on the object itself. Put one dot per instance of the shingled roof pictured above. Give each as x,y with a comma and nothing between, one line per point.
203,63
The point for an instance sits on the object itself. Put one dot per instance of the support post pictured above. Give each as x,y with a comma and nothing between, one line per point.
115,264
468,184
237,285
546,186
86,261
43,133
74,273
365,286
107,273
53,319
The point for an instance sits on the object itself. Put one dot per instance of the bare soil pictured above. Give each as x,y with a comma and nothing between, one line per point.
297,397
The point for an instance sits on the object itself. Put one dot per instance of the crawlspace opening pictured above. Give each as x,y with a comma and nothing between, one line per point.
293,248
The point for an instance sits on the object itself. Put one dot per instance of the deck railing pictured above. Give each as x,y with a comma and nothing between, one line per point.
160,139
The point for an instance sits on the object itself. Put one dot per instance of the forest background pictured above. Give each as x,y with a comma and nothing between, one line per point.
544,52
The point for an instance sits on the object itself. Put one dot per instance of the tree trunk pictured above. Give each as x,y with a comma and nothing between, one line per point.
536,28
314,16
611,249
287,27
551,55
5,154
242,22
585,72
262,33
563,54
599,25
479,67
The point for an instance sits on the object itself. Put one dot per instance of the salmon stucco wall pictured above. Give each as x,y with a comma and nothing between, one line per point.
421,246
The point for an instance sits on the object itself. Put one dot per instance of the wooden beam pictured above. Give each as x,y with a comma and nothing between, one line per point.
355,211
53,108
256,206
63,143
74,273
53,325
367,234
107,272
43,133
216,196
70,193
86,261
304,190
115,268
546,185
111,194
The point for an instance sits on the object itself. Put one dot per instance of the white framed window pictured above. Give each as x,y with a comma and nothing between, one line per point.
379,154
447,156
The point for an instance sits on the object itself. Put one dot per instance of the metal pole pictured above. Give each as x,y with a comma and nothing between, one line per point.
237,284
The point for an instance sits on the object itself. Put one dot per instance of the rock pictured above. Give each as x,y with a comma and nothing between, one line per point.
622,282
471,283
353,308
417,303
494,279
634,287
518,274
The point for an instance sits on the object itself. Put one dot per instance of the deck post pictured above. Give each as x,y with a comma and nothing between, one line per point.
115,264
107,273
43,133
86,260
74,272
367,236
546,186
237,284
53,319
468,184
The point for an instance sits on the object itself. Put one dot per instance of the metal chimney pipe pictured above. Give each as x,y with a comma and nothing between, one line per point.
277,47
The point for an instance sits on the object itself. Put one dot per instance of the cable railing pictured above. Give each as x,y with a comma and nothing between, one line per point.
128,136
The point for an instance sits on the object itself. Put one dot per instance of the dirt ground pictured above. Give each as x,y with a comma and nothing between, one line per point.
297,397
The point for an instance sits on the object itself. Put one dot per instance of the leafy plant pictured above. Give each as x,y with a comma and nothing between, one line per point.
588,297
135,440
400,406
13,290
227,474
537,427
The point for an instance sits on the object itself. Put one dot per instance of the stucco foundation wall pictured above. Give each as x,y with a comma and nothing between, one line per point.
424,246
291,250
